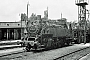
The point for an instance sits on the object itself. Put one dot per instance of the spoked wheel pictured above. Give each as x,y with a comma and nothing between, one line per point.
23,44
35,46
28,47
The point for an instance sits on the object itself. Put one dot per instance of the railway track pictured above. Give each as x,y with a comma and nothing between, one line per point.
76,55
14,55
11,52
9,47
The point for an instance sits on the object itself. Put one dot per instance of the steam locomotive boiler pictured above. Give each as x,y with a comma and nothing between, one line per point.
48,37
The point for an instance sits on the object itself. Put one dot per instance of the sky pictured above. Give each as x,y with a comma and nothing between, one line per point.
10,10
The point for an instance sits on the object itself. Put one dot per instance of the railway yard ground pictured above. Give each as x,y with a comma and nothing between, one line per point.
74,52
87,57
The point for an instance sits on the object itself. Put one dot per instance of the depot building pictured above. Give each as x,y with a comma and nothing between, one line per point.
11,30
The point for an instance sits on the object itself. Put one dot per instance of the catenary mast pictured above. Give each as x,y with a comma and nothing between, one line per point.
82,19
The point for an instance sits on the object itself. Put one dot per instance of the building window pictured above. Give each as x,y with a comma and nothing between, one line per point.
7,24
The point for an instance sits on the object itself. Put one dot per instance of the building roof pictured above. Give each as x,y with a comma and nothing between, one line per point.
12,24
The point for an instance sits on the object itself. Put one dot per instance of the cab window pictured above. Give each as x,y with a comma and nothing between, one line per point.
31,39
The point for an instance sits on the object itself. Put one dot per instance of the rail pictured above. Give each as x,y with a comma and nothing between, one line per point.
63,57
59,58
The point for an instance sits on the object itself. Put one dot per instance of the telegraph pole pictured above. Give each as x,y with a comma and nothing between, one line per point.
21,28
27,19
61,15
27,11
47,13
